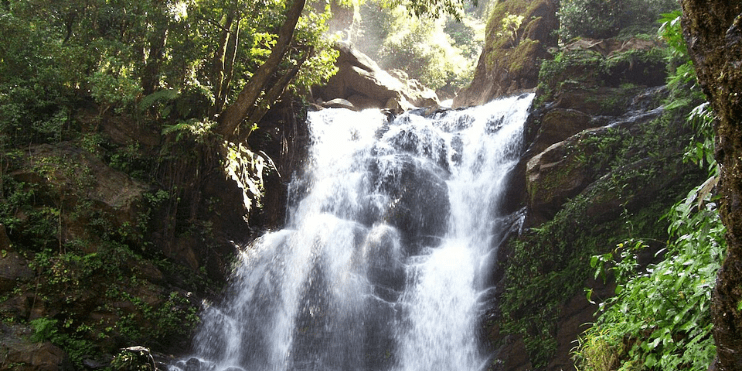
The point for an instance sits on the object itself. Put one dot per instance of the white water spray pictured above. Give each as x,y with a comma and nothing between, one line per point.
384,261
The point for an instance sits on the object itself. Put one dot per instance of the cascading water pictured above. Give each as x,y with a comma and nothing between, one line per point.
384,261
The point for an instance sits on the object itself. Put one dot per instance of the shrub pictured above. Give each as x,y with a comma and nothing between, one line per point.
602,19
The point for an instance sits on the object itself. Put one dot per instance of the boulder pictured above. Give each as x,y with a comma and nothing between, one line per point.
17,353
559,124
338,103
13,268
362,82
71,175
421,207
553,176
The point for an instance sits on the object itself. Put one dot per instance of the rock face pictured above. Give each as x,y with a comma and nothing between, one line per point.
559,165
519,35
361,82
593,161
25,356
713,32
64,169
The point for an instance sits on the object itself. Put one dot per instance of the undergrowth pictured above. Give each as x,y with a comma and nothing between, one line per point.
659,318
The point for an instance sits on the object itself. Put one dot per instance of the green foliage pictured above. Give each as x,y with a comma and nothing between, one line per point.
33,92
50,329
132,360
140,58
311,30
26,219
510,25
602,19
113,85
551,263
247,169
659,318
588,67
440,53
431,8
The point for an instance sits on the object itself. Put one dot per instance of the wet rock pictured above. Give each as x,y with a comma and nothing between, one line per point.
362,102
426,144
339,103
193,364
92,364
552,177
420,199
385,268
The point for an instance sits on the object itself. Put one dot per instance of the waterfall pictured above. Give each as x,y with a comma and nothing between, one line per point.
385,260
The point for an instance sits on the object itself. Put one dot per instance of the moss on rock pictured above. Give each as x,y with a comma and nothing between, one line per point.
518,34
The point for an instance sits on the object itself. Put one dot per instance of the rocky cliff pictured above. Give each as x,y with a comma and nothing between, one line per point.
519,35
600,170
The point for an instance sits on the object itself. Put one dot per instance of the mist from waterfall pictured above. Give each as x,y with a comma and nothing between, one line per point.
387,254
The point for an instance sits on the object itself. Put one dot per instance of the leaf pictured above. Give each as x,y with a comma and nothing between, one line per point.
705,191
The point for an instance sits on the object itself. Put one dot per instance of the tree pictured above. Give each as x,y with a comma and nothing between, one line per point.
244,107
713,32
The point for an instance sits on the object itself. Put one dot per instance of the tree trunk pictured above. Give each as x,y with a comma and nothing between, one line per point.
219,62
150,76
236,113
713,31
234,40
273,94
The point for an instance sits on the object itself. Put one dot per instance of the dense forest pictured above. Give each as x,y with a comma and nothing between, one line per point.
144,143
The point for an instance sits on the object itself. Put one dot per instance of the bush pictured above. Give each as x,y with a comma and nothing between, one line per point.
601,19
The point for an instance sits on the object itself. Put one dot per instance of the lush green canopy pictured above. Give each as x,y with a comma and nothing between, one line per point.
193,56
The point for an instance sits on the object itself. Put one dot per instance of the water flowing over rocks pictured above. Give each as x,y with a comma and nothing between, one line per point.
386,260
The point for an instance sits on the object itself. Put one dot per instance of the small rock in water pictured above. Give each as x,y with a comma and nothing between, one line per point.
193,364
92,364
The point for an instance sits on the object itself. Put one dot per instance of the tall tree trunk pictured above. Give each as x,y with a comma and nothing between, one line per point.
232,44
713,32
219,63
274,93
236,113
150,76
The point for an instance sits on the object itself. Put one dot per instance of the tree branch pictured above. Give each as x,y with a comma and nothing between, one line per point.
236,113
